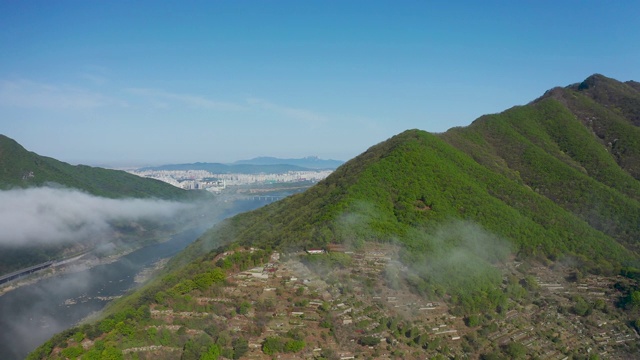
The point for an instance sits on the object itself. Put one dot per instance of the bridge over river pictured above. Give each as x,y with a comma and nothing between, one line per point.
26,271
268,198
31,314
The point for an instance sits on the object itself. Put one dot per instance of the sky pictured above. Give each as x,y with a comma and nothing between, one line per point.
121,83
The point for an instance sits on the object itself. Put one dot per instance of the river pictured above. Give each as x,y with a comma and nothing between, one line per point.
31,314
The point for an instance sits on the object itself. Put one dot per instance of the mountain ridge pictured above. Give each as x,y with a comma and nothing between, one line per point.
479,217
22,168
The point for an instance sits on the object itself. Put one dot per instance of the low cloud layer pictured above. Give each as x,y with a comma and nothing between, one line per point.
47,215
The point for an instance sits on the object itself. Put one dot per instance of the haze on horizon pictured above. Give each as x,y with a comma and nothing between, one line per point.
146,83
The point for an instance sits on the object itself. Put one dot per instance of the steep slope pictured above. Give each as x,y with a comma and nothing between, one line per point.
609,109
550,147
22,168
620,98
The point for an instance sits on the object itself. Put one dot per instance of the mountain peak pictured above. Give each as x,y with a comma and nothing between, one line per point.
595,80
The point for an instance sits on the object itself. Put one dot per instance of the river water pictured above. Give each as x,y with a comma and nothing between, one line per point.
31,314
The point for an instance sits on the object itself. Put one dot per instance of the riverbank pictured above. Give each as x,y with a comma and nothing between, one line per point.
65,266
37,308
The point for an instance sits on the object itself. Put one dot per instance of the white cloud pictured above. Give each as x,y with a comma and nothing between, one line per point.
94,78
160,97
31,94
164,99
45,215
303,115
95,74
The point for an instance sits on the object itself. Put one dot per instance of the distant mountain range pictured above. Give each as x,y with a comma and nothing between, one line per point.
267,165
310,162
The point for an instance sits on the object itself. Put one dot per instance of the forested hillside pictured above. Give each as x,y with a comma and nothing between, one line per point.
551,183
21,168
534,174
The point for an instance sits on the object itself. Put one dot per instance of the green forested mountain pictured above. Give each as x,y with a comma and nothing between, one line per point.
555,181
555,177
21,168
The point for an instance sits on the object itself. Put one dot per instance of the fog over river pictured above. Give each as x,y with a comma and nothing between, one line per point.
31,314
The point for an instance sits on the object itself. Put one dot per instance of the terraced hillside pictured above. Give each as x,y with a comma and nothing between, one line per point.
248,303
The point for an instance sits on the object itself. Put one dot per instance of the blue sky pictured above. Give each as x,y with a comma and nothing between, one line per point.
151,82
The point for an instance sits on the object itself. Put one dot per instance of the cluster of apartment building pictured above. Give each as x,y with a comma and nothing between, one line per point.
202,179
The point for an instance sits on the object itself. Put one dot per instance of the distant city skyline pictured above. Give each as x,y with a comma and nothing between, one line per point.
118,83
